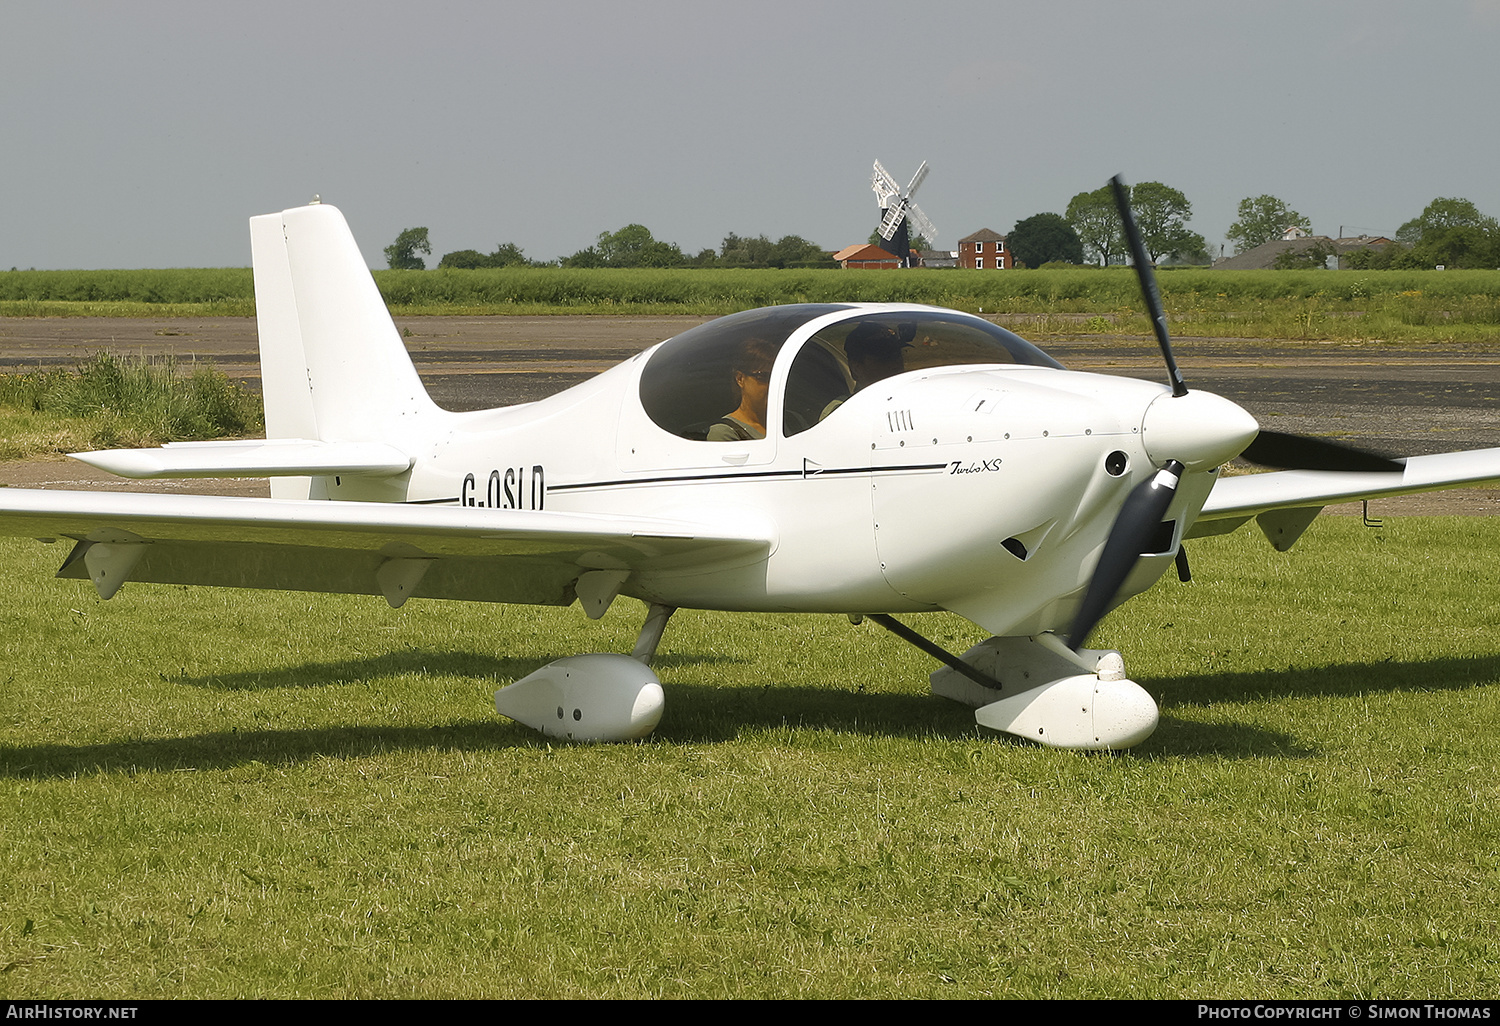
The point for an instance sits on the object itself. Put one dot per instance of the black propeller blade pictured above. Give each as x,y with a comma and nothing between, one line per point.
1149,291
1299,452
1138,523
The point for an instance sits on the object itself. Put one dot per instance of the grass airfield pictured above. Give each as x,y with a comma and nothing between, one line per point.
222,794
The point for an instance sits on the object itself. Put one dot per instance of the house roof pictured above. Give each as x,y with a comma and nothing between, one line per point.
984,235
939,258
863,251
1264,256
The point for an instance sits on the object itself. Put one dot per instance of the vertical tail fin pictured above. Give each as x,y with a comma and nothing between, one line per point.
333,367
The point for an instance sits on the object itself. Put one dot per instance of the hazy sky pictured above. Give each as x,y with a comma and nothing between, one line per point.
144,134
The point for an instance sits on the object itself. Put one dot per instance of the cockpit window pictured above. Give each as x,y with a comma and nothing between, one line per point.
696,383
710,382
845,357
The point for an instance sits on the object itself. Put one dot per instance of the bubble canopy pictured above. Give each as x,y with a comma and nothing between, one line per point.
689,384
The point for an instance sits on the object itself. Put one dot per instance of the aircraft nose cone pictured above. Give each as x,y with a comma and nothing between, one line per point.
1200,429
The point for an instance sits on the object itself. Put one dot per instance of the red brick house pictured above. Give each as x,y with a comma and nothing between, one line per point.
985,250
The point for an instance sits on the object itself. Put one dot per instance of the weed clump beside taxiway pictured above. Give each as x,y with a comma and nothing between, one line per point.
116,401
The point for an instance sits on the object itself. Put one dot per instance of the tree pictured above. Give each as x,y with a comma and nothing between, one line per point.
1263,219
1382,258
1311,258
795,251
506,254
401,255
1191,257
739,251
1443,214
1161,214
762,252
661,254
1094,217
463,260
1452,232
583,258
1044,238
624,247
633,246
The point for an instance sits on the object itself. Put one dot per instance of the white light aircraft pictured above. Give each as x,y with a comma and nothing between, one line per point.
834,458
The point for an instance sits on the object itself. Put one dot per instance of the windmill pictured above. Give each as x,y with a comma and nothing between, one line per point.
898,211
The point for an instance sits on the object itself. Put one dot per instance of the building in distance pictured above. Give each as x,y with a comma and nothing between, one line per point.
1320,248
984,250
939,258
864,256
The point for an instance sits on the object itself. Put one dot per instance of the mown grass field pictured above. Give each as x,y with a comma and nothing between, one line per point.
222,794
1405,305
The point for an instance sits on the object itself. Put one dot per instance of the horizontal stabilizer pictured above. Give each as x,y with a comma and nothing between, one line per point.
255,457
1252,494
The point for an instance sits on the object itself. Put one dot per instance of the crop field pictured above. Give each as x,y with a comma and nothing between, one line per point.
223,794
1406,305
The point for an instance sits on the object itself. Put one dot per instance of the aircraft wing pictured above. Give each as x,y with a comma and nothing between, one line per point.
391,549
1286,501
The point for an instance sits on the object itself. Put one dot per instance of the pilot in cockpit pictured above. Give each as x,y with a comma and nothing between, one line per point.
875,353
752,376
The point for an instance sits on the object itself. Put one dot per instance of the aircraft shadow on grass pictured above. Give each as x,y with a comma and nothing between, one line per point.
708,714
1449,673
1179,737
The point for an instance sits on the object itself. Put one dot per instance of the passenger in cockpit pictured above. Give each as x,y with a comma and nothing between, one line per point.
875,353
752,376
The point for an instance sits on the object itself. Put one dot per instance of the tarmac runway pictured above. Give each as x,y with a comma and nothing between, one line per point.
1397,398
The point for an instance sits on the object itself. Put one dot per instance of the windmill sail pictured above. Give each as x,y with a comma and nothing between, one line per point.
899,212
